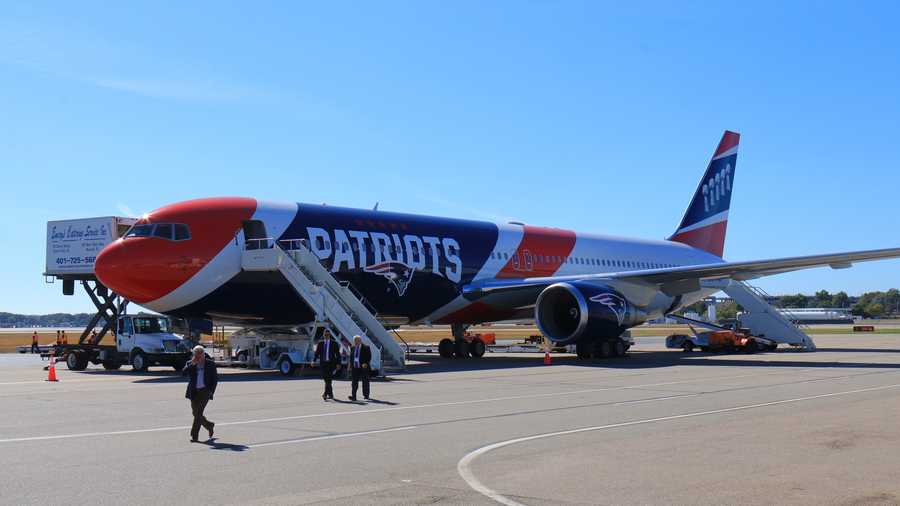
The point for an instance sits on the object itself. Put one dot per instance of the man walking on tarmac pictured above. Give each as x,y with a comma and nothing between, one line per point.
360,358
328,354
202,381
34,343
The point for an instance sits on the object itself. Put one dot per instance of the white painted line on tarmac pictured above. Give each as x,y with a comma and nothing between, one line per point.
62,381
375,410
332,436
339,413
463,467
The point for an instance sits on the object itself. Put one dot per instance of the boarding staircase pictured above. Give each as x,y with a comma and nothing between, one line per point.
330,299
763,319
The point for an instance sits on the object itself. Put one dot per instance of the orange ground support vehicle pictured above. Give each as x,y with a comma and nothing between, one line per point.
721,340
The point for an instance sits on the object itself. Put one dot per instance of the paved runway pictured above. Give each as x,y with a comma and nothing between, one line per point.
658,427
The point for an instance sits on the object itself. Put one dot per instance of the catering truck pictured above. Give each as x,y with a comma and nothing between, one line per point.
142,340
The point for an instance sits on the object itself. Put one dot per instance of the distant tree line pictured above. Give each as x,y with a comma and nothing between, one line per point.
9,320
868,305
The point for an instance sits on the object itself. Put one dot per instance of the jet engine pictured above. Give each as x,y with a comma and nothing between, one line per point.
567,312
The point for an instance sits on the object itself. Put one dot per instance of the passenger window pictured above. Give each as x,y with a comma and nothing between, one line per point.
163,231
182,232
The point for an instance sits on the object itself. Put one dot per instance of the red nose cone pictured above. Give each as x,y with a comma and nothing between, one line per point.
112,269
144,269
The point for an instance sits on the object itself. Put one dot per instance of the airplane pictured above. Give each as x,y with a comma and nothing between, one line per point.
184,260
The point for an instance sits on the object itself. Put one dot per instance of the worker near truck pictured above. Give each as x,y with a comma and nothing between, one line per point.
65,340
328,354
360,359
34,343
58,338
202,381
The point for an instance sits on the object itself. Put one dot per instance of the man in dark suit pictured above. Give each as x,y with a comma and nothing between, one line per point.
360,365
202,380
328,353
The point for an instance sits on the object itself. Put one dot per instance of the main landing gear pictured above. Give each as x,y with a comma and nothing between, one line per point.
462,345
602,348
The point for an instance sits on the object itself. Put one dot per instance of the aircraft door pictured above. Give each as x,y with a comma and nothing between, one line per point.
254,234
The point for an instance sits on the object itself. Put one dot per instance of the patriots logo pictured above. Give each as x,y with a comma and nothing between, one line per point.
398,274
615,304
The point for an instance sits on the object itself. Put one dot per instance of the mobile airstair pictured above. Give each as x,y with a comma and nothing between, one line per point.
330,299
763,319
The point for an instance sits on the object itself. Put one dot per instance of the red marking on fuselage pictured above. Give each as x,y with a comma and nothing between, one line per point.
143,269
710,238
542,251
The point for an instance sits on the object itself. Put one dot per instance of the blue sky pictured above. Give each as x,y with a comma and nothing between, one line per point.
595,116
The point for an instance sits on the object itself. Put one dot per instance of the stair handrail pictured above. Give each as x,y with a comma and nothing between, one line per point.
301,246
405,344
784,312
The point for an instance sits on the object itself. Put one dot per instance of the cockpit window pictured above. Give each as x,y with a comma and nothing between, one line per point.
163,231
182,233
167,231
140,231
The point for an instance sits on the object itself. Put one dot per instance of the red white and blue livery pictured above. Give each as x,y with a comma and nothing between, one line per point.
184,260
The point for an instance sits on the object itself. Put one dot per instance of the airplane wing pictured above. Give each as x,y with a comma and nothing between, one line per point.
684,279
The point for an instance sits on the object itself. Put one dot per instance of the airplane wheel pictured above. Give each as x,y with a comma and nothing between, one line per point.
619,348
445,348
583,350
461,349
602,349
476,348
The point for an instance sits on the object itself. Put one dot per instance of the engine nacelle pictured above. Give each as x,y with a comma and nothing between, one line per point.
568,312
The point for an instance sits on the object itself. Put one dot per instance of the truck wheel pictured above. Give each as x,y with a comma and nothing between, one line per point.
687,346
751,347
111,365
285,367
76,361
138,361
445,348
619,348
476,348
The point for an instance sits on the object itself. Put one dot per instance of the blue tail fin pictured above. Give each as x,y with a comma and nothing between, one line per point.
706,219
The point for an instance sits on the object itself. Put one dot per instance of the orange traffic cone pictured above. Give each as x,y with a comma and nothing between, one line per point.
51,372
547,360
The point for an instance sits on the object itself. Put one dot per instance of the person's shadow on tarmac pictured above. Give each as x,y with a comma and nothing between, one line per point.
215,445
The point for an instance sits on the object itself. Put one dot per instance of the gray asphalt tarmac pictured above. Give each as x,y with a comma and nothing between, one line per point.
657,427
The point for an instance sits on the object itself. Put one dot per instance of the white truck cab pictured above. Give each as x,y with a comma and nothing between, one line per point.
144,339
